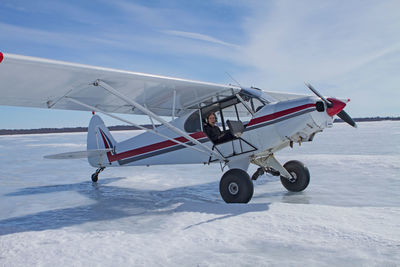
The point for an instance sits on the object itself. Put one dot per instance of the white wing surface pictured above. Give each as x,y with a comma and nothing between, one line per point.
35,82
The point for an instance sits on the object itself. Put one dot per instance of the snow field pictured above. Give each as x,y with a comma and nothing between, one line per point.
50,212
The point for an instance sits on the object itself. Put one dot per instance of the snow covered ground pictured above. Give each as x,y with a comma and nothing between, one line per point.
51,213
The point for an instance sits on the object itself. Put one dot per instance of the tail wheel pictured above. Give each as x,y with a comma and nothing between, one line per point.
95,177
236,187
300,174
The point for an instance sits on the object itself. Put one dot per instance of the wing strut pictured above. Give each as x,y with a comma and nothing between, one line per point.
173,105
131,123
151,114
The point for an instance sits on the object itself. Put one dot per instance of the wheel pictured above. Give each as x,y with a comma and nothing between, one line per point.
300,174
236,187
95,177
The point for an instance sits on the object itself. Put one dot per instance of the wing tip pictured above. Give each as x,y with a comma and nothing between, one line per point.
1,57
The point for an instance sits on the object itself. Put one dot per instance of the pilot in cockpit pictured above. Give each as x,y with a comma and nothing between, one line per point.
213,132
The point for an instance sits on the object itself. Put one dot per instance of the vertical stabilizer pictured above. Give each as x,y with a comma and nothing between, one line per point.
98,138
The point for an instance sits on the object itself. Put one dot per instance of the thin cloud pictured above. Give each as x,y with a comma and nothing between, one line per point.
294,42
343,48
200,37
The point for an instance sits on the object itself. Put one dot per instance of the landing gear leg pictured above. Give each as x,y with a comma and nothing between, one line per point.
95,176
260,171
295,177
270,165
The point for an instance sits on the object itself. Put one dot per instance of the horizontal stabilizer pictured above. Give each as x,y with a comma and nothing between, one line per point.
79,154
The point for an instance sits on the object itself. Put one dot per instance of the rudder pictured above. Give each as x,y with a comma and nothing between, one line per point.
99,137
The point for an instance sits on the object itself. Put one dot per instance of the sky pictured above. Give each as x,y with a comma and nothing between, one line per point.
348,49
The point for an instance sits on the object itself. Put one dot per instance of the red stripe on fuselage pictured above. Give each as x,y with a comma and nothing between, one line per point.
278,114
152,147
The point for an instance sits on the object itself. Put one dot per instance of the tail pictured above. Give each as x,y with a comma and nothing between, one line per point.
99,138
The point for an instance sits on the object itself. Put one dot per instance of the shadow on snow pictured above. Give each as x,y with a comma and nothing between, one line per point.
112,202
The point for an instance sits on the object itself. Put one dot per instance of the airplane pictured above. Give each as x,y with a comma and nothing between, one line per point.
258,123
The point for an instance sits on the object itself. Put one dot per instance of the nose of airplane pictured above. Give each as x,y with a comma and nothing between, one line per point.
335,107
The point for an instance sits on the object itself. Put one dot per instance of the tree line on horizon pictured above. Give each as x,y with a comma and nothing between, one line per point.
149,126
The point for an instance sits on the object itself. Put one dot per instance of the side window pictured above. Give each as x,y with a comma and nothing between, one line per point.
256,104
193,123
233,109
237,112
244,115
230,113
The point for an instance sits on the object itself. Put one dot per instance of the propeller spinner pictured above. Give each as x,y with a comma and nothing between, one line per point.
334,107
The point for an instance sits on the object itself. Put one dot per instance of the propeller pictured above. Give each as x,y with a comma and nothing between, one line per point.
334,107
328,103
346,117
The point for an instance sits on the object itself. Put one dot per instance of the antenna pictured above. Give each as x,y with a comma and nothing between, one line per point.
233,79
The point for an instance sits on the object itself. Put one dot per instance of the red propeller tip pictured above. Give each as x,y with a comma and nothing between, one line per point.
1,57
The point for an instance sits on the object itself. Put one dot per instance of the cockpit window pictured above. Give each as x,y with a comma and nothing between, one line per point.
256,104
233,109
193,123
229,108
237,112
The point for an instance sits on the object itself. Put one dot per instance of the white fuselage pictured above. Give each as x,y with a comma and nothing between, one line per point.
270,129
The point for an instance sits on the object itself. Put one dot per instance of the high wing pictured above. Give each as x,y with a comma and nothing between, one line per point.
36,82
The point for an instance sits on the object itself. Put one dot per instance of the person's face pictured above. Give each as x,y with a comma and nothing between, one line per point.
211,119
